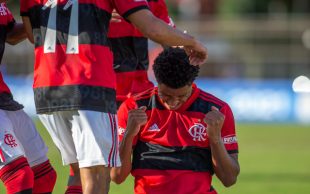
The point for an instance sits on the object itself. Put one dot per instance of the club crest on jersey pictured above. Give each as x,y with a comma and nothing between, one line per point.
10,140
121,131
3,10
198,132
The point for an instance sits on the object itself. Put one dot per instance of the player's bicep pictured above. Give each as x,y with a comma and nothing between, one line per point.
28,28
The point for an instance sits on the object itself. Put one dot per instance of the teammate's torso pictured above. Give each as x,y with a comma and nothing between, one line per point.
73,64
6,23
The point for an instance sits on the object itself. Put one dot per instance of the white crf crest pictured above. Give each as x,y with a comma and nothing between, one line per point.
198,132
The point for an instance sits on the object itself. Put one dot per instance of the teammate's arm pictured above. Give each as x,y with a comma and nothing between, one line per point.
226,166
16,34
164,34
136,118
28,28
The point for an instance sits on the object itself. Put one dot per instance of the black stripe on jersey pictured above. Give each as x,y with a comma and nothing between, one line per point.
150,102
131,11
93,24
27,191
233,151
130,53
8,103
74,97
201,105
153,156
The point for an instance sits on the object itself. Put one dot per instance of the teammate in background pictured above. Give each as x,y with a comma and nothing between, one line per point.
176,134
130,51
74,80
24,166
131,62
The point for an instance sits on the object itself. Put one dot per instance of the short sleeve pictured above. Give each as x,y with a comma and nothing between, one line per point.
228,131
25,6
9,21
122,117
127,7
160,10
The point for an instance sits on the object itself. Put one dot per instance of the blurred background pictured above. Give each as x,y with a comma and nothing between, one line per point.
259,62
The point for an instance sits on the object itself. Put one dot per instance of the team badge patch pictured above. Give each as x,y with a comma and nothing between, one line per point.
10,140
198,132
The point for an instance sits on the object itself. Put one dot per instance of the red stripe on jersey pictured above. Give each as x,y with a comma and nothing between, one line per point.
92,66
123,29
3,87
129,83
172,181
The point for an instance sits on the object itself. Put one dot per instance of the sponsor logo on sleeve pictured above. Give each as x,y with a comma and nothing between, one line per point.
230,139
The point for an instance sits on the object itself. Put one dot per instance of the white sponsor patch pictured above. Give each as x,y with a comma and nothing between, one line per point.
230,139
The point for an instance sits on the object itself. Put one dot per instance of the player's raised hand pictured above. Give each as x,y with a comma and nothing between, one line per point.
198,54
136,118
214,120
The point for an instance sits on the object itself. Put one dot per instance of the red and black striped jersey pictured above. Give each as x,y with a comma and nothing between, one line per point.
7,23
171,153
130,50
73,61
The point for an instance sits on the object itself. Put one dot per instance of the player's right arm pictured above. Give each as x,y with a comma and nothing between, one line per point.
28,28
136,118
164,34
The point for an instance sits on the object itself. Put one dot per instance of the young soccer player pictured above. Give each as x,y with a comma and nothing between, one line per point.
74,79
174,137
24,166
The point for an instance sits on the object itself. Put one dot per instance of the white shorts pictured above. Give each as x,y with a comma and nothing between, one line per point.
19,137
86,137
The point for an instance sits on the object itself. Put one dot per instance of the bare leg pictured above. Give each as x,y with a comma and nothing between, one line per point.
95,179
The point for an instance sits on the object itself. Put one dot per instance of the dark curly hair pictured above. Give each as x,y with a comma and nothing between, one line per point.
172,68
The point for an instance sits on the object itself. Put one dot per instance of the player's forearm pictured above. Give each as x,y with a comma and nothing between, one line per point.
226,166
159,31
17,34
119,174
28,28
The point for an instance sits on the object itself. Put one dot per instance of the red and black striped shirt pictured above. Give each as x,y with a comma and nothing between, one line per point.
172,152
73,62
130,50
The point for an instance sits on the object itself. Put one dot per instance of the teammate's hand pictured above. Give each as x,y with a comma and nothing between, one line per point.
136,118
115,17
198,54
214,120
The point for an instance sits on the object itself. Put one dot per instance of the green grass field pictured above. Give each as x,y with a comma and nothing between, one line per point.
274,159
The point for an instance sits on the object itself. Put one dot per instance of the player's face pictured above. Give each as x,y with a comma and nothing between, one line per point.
174,98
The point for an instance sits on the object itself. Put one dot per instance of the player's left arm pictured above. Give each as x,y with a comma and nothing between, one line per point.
226,166
28,28
16,34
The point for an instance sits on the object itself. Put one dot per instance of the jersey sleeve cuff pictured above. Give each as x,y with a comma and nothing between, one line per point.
133,10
